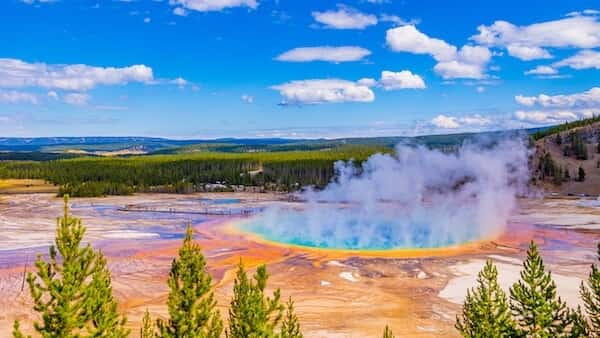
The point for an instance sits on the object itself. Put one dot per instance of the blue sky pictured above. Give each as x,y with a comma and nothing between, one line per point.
267,68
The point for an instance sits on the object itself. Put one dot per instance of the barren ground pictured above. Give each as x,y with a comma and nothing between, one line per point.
337,294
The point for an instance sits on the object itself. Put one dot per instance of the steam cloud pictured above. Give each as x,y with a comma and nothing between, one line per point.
416,198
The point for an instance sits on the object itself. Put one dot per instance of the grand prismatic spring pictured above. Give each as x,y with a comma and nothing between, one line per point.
415,199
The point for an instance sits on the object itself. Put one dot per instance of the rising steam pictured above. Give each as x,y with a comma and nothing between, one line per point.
416,198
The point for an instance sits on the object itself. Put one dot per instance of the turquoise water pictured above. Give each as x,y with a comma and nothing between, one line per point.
355,233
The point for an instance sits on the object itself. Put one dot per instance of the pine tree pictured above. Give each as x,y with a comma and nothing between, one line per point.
537,310
147,329
252,314
387,332
290,328
72,291
100,305
486,310
590,294
192,305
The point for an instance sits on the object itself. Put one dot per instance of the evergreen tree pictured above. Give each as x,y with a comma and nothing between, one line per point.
537,310
72,291
387,332
486,310
147,329
558,139
579,326
590,295
252,314
290,328
598,147
581,174
191,304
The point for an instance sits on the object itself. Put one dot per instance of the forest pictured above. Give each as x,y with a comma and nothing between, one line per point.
186,173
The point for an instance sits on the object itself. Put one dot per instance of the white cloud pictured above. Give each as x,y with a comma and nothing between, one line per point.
589,98
147,20
545,117
409,39
468,62
584,12
446,122
480,89
559,108
542,70
324,53
367,82
582,60
324,91
401,80
17,74
396,20
528,42
451,122
212,5
76,99
345,18
53,95
13,96
180,82
528,53
180,11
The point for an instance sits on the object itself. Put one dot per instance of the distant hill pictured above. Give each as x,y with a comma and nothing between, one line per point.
37,148
559,153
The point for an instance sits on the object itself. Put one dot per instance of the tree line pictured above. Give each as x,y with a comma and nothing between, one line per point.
98,176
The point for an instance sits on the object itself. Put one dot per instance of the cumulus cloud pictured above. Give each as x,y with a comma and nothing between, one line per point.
529,42
76,99
15,73
527,53
409,39
559,108
589,98
17,97
542,70
452,122
180,11
467,62
446,122
401,80
584,59
324,53
545,117
345,18
211,5
324,91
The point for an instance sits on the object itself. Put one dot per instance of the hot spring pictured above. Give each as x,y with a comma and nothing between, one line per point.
414,199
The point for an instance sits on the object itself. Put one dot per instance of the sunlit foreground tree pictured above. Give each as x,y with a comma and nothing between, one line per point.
72,290
253,314
534,310
192,306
